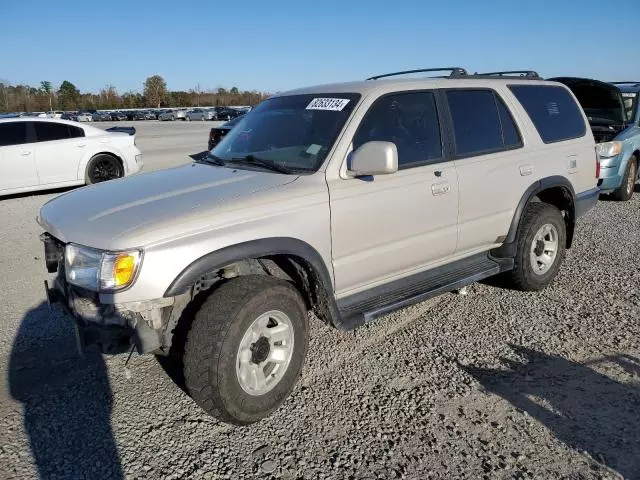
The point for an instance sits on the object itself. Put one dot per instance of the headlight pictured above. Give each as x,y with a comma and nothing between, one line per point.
99,270
609,149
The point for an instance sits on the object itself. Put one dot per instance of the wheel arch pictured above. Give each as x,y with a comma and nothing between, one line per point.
555,190
84,163
298,260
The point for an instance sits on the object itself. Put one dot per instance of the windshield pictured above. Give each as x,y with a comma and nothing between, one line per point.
295,132
630,100
600,104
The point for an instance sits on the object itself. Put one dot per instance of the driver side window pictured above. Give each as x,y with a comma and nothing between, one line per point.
410,121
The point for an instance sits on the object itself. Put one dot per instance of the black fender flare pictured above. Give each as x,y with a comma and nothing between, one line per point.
252,249
508,247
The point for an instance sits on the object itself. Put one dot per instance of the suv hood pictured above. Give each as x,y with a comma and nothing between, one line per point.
100,214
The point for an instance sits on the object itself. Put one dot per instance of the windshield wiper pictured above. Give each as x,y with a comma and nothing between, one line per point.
252,160
211,158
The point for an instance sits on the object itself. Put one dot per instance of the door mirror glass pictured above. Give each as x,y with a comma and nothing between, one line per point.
374,158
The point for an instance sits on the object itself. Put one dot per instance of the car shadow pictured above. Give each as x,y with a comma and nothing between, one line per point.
66,399
585,409
53,191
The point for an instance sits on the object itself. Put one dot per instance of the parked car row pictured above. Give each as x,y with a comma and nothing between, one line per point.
200,113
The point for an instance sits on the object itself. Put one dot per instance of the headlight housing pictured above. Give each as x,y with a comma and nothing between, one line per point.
609,149
100,270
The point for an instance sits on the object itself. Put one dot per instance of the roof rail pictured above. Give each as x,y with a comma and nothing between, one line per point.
455,72
626,83
517,73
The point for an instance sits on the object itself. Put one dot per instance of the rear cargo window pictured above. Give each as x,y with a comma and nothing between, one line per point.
552,110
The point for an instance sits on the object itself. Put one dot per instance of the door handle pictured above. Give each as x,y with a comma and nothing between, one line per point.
440,188
81,146
526,170
26,153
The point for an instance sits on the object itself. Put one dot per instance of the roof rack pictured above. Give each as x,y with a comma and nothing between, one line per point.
455,72
518,73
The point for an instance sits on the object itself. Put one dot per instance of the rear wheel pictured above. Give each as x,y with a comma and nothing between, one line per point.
540,247
245,349
625,191
103,167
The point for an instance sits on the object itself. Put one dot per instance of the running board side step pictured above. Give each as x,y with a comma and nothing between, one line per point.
368,305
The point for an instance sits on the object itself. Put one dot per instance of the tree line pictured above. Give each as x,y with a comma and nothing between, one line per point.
44,97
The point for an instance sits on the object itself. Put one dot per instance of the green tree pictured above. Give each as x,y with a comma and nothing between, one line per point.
155,90
234,91
46,88
68,96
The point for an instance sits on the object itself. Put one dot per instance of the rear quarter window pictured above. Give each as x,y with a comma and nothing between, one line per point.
553,111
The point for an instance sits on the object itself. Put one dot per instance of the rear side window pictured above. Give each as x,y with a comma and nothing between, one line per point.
75,132
552,110
13,133
410,121
49,131
481,122
510,134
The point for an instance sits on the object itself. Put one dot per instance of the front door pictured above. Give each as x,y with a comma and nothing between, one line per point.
388,226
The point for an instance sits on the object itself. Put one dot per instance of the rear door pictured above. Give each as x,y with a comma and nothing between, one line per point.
17,156
493,171
59,149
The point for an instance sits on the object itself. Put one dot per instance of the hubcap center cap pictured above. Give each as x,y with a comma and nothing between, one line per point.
539,250
260,350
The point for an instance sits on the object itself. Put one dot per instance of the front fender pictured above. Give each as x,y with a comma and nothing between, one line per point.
251,249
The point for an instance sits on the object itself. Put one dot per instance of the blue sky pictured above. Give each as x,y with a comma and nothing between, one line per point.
278,45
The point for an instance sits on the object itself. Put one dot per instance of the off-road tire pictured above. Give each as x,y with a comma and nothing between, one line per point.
101,168
625,191
213,340
536,215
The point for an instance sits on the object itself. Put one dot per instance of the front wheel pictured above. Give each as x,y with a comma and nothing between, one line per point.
103,167
246,347
625,191
541,245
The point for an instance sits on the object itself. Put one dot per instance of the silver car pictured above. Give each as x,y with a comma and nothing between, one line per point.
172,115
85,117
200,114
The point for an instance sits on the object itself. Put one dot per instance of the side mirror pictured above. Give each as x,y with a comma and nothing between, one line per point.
374,158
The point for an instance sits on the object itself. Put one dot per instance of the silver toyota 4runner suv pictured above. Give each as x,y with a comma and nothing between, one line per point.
348,200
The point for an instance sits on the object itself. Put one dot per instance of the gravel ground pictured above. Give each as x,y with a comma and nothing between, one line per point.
492,384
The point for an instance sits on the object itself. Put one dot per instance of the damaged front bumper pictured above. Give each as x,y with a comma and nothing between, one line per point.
113,328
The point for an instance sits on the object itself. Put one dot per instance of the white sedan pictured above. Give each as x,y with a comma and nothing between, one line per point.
43,153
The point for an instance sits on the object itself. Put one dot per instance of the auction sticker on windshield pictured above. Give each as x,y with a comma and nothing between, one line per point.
334,104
